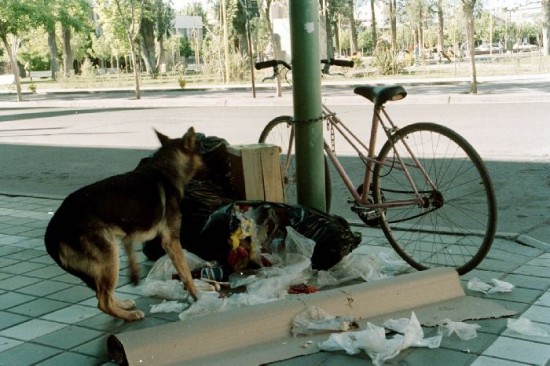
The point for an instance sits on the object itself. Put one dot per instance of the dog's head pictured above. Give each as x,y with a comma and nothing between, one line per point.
180,153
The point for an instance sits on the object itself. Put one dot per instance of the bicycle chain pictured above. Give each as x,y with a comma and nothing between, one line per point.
330,127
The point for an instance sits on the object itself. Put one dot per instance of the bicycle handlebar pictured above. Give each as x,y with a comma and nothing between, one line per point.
336,62
271,63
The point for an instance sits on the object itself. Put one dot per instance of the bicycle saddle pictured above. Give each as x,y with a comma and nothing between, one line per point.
381,94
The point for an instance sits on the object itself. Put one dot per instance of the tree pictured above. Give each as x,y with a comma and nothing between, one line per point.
546,27
373,24
441,31
393,24
14,19
468,8
122,20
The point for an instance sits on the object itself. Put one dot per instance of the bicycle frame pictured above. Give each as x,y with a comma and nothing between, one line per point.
362,200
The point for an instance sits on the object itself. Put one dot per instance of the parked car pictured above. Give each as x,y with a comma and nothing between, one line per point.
524,47
486,48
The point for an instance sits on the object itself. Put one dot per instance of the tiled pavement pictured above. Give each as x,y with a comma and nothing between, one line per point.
48,317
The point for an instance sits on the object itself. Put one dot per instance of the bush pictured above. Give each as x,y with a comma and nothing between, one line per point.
390,63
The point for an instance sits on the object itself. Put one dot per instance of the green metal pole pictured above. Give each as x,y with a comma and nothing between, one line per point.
306,80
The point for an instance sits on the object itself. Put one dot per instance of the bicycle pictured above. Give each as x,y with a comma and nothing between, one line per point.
428,189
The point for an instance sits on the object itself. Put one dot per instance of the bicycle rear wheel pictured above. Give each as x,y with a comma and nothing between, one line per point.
455,225
280,132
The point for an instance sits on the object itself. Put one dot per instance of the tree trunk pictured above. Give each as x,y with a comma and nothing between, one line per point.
440,33
393,24
546,27
161,55
68,57
373,26
52,45
468,6
147,31
135,61
14,67
353,34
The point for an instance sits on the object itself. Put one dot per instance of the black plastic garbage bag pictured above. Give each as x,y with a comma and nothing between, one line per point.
237,235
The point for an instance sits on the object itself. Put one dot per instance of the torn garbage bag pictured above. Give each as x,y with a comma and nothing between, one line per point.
251,234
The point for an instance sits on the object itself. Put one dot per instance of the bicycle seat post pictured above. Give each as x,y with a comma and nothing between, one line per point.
372,149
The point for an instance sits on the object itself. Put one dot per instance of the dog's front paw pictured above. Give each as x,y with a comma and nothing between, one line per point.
126,304
136,315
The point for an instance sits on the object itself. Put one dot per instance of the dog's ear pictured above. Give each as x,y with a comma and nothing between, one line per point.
162,138
189,139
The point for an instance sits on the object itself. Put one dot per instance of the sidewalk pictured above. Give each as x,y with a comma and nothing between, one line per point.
48,317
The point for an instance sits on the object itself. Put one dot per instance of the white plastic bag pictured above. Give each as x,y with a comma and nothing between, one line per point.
314,320
526,327
501,286
373,340
168,307
475,284
463,330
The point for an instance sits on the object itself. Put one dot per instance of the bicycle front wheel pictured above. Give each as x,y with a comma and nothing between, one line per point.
455,224
280,132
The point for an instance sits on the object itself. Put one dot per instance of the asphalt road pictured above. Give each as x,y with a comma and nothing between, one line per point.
55,143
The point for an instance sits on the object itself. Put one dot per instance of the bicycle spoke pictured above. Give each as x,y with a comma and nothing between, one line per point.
455,225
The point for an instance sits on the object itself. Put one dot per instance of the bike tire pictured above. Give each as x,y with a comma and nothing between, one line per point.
456,229
279,131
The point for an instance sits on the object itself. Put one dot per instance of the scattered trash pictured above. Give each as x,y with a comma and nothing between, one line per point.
160,281
248,234
373,340
501,286
475,284
526,327
464,331
314,320
168,307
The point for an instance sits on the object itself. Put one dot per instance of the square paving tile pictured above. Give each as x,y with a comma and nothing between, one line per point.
8,319
32,329
70,359
38,307
16,282
490,361
544,300
526,281
72,314
537,313
27,354
74,294
96,348
44,288
7,343
69,337
537,271
23,267
11,299
519,350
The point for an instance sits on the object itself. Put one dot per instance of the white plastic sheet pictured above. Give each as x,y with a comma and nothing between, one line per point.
498,286
464,331
526,327
314,320
374,343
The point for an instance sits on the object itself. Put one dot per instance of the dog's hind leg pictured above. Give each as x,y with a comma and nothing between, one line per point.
174,250
132,261
106,281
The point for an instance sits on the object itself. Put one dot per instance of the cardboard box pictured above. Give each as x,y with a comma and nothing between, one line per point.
256,171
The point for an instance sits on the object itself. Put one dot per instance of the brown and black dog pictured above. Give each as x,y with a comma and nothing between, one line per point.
84,234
